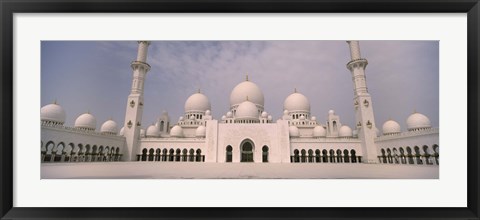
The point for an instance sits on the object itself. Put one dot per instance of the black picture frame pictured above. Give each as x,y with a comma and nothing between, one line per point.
10,7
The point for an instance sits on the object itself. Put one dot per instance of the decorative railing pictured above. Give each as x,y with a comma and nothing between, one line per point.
408,134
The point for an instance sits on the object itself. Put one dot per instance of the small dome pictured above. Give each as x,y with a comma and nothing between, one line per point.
208,112
176,131
391,127
345,131
418,121
152,131
229,114
302,117
109,126
264,114
319,131
293,131
296,102
192,117
285,112
224,117
331,112
247,110
197,102
86,121
122,131
314,118
269,117
244,89
181,118
53,113
201,131
142,133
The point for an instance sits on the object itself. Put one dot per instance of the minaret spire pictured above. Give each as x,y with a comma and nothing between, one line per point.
134,111
362,104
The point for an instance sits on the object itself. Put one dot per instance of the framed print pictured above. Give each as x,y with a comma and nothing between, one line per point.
256,110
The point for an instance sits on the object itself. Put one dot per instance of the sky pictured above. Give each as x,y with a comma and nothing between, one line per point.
96,77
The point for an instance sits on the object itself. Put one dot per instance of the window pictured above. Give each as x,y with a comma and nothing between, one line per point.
229,154
265,154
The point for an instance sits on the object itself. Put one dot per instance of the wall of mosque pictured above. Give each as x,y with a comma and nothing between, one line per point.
79,145
325,149
253,142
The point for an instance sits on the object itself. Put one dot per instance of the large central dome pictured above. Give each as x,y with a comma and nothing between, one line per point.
197,102
246,89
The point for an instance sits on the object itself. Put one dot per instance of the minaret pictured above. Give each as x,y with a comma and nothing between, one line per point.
362,102
133,114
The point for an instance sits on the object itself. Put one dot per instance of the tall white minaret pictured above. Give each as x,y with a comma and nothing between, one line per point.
362,102
133,114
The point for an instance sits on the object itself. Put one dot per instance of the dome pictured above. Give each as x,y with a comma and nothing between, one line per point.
264,114
302,117
314,118
229,114
247,110
197,102
296,102
319,131
345,131
53,113
86,121
181,118
176,131
109,126
142,133
331,112
293,131
224,118
201,131
269,117
122,131
208,112
245,89
391,127
285,112
152,131
192,117
418,121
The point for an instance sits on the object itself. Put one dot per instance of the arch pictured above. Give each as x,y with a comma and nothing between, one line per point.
228,156
317,156
403,159
144,154
177,154
171,156
164,154
410,155
339,156
157,154
428,154
199,156
346,158
184,154
436,154
303,158
332,156
417,155
162,123
395,156
354,156
246,148
191,155
389,155
324,156
296,157
310,156
265,154
151,155
58,151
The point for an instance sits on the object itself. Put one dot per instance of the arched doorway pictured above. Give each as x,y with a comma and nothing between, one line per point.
247,152
265,154
229,154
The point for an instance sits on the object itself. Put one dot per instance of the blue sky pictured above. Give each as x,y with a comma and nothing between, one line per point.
95,76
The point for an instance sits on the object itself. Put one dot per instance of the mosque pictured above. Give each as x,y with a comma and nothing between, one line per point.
246,133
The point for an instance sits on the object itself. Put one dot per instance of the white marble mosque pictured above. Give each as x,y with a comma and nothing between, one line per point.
246,133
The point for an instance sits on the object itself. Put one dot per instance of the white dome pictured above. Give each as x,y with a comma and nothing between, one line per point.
264,114
176,131
269,117
391,127
197,102
345,131
229,114
142,133
181,118
285,112
224,118
246,89
293,131
302,117
418,121
201,131
247,110
296,102
86,121
152,131
314,118
208,112
122,131
53,113
109,126
319,131
192,117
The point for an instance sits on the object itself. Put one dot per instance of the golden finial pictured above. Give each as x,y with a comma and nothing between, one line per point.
88,111
247,97
198,91
55,101
415,110
295,90
246,77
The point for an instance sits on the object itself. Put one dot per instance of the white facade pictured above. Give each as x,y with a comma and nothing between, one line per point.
246,133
